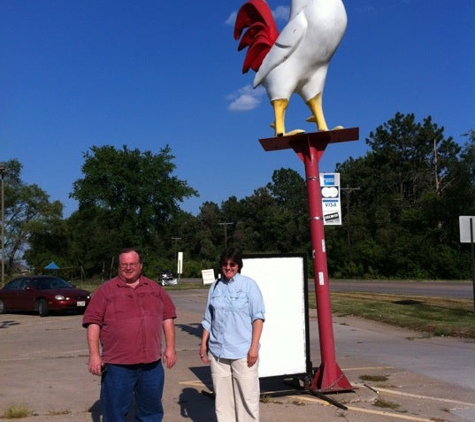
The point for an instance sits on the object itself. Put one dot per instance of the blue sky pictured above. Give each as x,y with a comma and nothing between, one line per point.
149,73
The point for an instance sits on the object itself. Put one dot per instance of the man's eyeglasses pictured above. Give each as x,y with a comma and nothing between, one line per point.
231,264
132,265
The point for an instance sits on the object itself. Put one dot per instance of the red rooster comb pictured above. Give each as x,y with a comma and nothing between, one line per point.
260,35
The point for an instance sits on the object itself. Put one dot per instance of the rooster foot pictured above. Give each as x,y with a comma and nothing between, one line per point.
312,119
322,128
291,133
335,128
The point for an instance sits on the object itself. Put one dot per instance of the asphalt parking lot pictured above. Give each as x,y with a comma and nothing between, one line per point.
397,375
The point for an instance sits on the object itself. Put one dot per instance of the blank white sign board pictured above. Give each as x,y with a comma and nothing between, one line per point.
282,280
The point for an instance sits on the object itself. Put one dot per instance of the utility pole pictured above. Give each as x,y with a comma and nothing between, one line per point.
176,239
225,224
436,169
348,191
3,171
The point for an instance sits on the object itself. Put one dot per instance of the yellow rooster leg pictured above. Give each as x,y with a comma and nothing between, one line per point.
280,106
279,114
315,106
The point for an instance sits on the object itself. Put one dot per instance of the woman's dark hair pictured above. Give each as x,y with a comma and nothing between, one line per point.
231,254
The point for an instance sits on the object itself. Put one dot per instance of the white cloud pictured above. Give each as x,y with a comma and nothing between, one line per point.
281,13
231,19
245,98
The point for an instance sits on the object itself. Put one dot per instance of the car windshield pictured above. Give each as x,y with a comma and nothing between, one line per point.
51,283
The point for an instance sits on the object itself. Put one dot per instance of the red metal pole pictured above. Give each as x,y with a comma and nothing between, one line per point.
310,147
329,377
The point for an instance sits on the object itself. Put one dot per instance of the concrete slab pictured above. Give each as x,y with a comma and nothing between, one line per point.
396,375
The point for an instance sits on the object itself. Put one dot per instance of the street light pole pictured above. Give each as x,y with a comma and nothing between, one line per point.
3,170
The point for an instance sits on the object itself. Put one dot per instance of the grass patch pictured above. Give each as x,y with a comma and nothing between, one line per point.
59,412
265,399
386,404
17,411
374,378
297,403
432,315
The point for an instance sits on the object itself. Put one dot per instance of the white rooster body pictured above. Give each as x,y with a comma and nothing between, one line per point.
297,60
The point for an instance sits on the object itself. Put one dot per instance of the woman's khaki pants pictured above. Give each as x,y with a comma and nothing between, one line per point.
237,389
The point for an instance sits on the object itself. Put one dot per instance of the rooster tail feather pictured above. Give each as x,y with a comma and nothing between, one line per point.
255,55
260,35
256,29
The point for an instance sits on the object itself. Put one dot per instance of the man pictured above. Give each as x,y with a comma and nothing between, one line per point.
124,322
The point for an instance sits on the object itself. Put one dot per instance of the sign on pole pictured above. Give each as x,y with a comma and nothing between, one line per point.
467,235
467,228
331,204
180,263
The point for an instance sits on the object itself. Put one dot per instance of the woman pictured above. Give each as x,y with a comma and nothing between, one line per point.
232,326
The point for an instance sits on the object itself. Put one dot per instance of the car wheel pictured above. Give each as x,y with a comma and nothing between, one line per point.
3,309
42,308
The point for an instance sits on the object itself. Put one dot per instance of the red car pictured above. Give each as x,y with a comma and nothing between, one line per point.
42,294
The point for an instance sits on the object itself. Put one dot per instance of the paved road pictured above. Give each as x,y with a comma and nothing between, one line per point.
448,289
447,359
43,364
453,290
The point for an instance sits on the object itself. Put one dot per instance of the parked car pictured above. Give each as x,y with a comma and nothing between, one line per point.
166,275
42,294
167,278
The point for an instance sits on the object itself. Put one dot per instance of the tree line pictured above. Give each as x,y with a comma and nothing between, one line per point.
400,203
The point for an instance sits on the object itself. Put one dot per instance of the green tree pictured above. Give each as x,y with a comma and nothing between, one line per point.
289,190
126,197
206,237
49,240
28,211
413,182
272,219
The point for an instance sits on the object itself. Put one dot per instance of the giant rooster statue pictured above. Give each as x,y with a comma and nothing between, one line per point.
297,59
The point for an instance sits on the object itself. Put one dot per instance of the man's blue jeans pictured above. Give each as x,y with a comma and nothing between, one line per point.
121,383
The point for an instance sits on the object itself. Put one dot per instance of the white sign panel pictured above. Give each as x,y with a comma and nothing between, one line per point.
331,205
283,282
208,276
179,267
465,221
